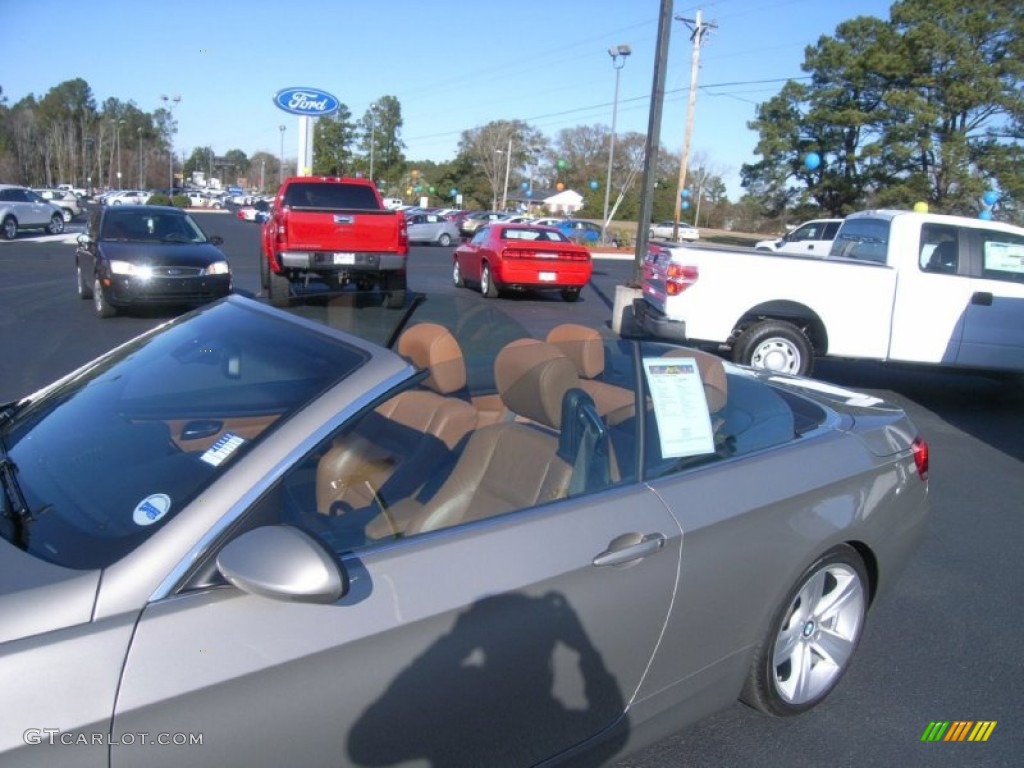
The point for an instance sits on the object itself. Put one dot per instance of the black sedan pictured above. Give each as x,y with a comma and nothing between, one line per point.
147,254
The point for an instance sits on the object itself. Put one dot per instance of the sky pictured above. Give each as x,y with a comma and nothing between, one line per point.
452,64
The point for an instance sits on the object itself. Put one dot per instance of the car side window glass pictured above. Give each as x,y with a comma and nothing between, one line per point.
700,410
830,230
939,249
1002,256
391,473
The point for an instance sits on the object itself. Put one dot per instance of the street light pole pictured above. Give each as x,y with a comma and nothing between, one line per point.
117,142
508,167
373,135
280,169
138,150
171,103
618,54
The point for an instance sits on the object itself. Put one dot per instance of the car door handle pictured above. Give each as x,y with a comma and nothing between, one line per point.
629,547
201,428
982,298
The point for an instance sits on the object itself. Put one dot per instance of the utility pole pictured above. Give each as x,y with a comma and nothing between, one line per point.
697,28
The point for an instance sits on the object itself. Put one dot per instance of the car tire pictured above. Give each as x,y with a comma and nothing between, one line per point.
457,278
393,286
278,287
66,215
10,228
570,294
775,345
103,307
56,224
812,637
487,286
84,289
444,240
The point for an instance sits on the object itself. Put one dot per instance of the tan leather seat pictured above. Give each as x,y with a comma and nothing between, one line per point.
511,465
398,447
585,348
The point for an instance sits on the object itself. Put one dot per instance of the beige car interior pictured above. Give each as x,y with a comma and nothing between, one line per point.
410,432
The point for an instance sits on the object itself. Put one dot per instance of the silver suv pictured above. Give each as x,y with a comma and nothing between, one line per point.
21,208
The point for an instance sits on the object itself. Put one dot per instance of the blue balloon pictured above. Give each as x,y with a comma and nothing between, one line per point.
594,185
525,185
990,198
686,204
529,193
685,193
985,215
453,192
812,160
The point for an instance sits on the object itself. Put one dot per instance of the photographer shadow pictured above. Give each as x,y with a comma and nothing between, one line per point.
516,681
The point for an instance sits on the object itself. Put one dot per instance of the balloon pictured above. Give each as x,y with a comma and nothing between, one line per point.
559,186
685,193
408,190
529,193
453,192
418,188
685,204
562,164
812,160
990,198
414,174
525,185
921,207
431,190
594,185
985,215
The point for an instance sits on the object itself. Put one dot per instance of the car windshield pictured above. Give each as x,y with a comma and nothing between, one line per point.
151,226
109,454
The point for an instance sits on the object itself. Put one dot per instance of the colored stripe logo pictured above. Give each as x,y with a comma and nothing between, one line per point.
959,730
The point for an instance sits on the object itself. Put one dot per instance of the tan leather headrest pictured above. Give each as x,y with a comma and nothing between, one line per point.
532,378
712,373
582,345
432,346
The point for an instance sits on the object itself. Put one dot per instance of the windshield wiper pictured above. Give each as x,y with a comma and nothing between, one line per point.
16,509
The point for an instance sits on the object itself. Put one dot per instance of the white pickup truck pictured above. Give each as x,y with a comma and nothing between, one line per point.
896,286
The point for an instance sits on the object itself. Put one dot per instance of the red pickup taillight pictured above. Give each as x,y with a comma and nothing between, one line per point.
679,277
920,449
280,224
403,234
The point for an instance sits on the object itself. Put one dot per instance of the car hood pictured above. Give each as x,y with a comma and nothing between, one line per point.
38,597
157,254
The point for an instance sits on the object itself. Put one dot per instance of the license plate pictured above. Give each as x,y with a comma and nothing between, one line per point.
344,258
547,277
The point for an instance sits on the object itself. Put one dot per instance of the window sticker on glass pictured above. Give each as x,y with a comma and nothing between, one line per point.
221,450
680,406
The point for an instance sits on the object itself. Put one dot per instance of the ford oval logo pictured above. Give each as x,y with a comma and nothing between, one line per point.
306,101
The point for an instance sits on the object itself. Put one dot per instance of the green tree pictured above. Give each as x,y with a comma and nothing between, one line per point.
333,140
380,140
200,161
924,106
486,148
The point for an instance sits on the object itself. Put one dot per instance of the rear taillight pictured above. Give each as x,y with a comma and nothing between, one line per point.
679,277
533,253
920,449
281,230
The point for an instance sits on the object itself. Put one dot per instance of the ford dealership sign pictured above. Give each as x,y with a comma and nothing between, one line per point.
309,102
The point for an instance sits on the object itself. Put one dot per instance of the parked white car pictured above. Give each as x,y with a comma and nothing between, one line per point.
21,208
127,197
64,199
812,238
663,230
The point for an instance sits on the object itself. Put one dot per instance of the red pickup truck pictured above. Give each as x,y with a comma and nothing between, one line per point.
336,231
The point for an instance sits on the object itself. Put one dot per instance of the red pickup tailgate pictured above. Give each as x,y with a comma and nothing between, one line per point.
344,230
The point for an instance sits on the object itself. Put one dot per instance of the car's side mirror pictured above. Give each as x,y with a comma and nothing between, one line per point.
84,239
217,240
283,563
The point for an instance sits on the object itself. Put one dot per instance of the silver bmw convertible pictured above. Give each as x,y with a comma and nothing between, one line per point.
337,534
